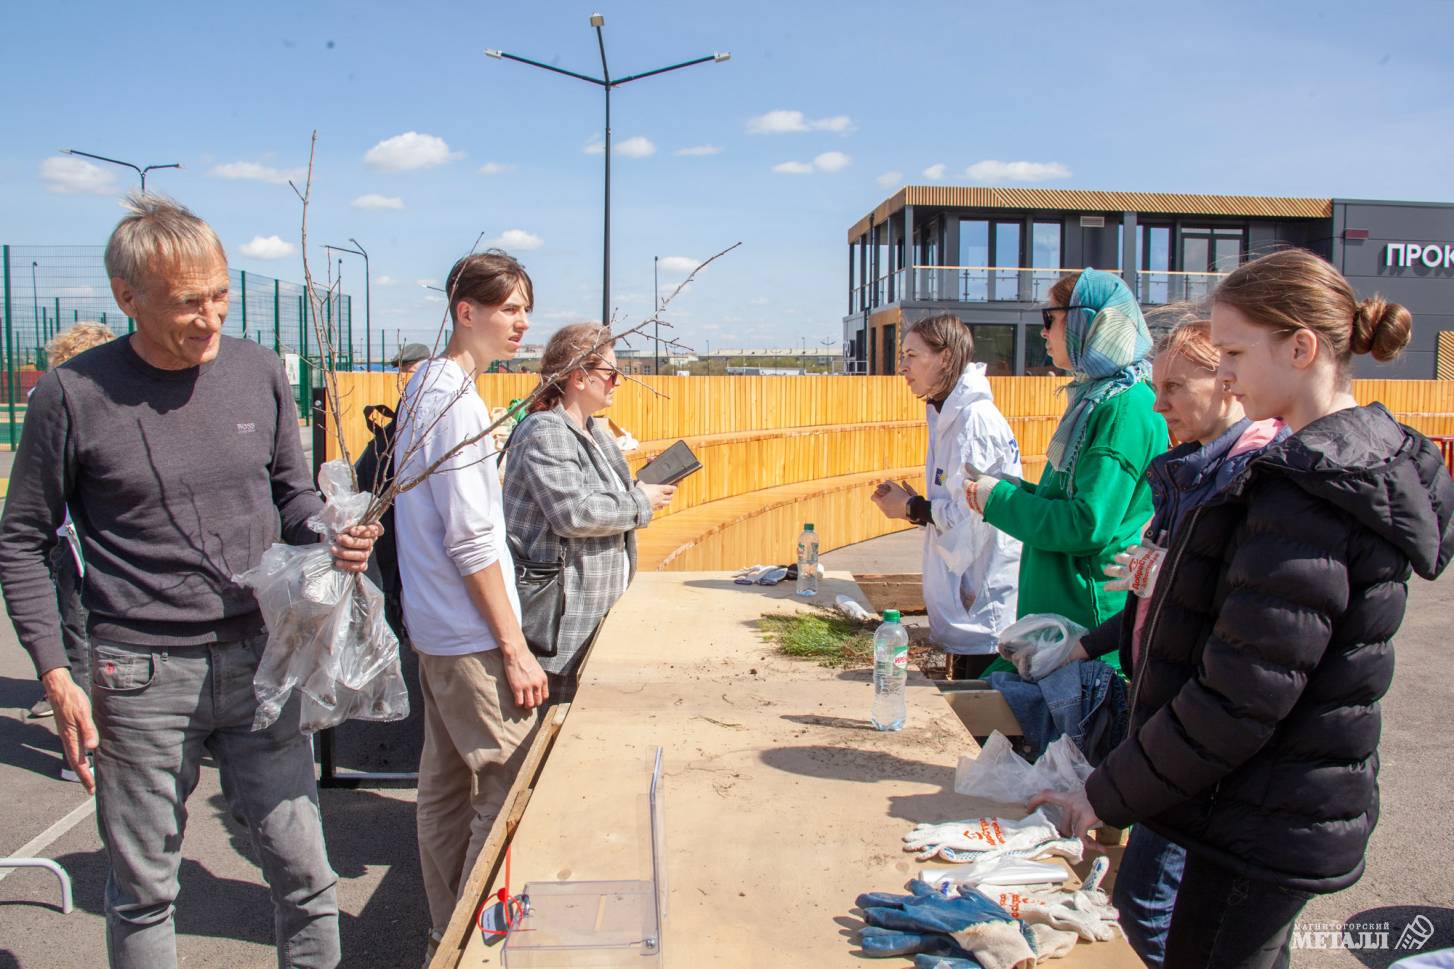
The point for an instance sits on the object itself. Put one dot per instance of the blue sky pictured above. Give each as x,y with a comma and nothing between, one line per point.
824,110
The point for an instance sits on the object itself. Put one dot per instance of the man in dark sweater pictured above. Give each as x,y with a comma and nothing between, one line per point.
177,452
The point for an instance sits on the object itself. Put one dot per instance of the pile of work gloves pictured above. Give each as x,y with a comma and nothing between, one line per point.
1003,910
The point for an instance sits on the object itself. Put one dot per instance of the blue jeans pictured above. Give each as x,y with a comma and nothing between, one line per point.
158,713
1145,891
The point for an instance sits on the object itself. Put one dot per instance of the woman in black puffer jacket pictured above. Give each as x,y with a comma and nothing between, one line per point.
1269,638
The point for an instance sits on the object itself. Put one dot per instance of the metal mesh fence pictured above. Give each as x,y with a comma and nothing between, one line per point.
49,288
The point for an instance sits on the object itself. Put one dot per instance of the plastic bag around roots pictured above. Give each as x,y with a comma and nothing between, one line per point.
1000,774
327,636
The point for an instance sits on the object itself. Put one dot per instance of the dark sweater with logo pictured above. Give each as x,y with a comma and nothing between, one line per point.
177,480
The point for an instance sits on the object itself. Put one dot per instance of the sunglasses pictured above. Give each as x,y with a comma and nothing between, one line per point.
612,378
1049,321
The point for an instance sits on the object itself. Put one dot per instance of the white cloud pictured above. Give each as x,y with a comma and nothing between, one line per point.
386,281
74,176
373,200
936,171
409,151
637,147
678,265
267,247
495,168
1016,171
428,282
433,297
517,239
829,161
781,122
793,168
697,151
257,172
890,179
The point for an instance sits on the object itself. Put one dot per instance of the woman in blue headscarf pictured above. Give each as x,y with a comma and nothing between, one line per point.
1094,498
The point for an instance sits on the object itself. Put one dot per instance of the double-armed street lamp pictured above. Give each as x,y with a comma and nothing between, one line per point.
125,164
606,83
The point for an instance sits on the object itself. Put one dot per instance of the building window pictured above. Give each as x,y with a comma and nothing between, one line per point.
1206,251
1037,353
1045,258
890,353
1153,257
974,256
1005,281
994,346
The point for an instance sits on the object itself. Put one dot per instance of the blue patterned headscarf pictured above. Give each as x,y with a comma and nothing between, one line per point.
1108,342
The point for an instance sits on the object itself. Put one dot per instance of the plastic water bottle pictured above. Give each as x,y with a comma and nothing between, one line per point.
808,562
890,673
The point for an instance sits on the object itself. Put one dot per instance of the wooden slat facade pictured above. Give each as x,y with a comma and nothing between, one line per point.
778,451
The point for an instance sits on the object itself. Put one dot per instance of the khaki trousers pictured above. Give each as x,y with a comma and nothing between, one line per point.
475,738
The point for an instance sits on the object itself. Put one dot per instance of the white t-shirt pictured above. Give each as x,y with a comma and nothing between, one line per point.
453,524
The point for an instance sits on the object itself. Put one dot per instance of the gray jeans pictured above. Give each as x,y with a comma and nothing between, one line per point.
158,713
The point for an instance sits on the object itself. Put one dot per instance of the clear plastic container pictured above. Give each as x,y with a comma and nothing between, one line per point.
599,924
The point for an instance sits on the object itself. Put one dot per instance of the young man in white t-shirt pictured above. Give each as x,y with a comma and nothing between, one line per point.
481,685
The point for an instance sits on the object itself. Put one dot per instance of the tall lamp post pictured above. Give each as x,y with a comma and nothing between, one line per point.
656,309
35,302
125,164
606,82
359,250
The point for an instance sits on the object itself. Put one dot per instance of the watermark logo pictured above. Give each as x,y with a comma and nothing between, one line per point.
1416,934
1362,936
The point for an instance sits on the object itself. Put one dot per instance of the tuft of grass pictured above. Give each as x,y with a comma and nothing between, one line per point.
832,640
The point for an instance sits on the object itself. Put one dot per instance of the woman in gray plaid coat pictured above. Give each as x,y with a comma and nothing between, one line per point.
569,495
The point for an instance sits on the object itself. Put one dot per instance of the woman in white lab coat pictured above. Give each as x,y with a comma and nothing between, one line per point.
971,569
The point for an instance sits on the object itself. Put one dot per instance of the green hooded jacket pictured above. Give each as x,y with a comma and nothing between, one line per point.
1069,540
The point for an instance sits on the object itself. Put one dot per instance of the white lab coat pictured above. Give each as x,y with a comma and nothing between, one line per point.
971,569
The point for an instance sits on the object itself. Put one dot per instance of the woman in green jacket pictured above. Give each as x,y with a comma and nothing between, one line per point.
1093,498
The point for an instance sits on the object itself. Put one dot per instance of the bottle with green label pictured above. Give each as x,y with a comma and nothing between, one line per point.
890,673
808,562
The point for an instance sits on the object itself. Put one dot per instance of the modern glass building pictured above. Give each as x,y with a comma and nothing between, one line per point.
990,255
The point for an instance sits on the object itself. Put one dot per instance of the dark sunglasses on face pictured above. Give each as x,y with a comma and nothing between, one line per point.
612,378
1045,313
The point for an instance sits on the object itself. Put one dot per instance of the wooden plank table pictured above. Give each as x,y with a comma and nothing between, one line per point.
782,803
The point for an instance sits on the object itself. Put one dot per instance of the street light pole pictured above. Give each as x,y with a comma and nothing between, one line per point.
35,302
656,309
126,164
368,281
606,83
368,305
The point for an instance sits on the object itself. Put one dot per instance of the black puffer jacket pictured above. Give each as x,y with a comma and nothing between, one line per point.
1267,645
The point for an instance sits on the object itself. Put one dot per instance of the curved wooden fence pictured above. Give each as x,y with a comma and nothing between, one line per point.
780,451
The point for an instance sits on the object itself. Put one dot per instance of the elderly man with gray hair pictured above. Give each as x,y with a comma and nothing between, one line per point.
177,451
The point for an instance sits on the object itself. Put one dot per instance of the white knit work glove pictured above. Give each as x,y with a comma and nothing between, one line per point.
974,838
1135,570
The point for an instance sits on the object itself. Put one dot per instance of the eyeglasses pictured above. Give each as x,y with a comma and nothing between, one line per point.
1049,320
612,378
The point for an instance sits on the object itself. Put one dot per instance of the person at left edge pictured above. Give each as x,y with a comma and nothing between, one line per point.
177,451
